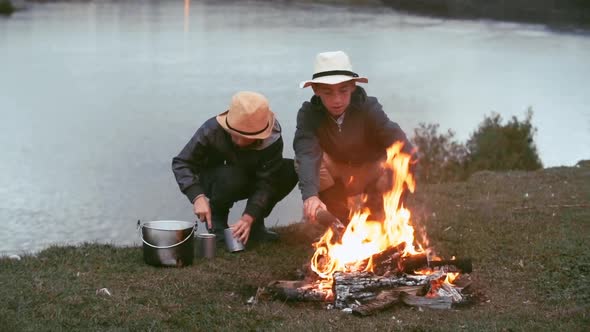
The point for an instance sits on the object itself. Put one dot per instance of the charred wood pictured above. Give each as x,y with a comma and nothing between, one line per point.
437,302
298,290
383,300
391,262
417,262
447,290
386,262
353,289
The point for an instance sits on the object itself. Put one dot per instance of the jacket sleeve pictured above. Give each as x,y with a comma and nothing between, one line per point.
266,176
187,164
308,153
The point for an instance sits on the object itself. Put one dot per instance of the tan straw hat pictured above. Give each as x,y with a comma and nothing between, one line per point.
248,116
332,68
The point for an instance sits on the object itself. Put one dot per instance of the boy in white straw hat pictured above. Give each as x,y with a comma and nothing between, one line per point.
236,155
341,139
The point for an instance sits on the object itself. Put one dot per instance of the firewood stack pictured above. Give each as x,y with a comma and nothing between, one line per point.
412,280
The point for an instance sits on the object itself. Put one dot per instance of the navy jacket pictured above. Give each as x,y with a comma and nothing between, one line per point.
211,146
364,136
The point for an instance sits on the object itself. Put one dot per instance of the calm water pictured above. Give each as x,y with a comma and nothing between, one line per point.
96,98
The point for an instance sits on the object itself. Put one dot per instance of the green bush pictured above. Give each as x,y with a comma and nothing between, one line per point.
6,7
493,146
440,157
499,147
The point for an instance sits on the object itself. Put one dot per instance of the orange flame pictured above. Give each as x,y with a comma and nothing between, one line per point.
363,238
451,276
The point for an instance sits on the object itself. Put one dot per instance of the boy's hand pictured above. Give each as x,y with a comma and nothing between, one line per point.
241,229
203,210
311,206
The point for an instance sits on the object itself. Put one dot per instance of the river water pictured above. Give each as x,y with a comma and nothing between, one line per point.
97,97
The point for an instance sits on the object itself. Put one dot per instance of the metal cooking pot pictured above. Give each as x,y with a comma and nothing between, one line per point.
167,242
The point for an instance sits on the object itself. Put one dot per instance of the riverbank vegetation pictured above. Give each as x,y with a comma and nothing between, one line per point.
561,15
6,8
569,15
557,14
526,231
494,146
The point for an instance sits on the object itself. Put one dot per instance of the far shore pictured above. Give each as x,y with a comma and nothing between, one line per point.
563,15
567,15
557,15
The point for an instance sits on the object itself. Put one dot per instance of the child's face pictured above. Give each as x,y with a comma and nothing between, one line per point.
336,97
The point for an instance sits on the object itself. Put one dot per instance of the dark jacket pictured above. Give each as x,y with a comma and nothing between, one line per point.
211,147
363,137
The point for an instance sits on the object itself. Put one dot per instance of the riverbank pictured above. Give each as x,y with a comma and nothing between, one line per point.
570,15
526,232
566,14
563,14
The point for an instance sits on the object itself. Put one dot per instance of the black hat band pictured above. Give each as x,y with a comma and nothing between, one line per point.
335,72
245,132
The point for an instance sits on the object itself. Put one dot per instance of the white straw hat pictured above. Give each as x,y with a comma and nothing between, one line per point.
332,68
248,116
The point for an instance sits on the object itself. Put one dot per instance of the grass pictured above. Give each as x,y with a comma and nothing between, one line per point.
527,233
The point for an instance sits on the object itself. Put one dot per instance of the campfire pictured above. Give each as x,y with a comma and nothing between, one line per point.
372,264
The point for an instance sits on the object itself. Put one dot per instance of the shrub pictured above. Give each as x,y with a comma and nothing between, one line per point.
499,147
440,157
6,7
493,146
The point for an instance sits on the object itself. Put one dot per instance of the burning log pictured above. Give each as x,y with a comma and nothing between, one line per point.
390,261
298,290
384,300
444,298
387,261
417,262
361,287
366,293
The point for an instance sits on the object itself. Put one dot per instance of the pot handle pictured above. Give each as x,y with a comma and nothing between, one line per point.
140,227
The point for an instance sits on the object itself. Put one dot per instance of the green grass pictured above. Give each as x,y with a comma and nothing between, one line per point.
530,254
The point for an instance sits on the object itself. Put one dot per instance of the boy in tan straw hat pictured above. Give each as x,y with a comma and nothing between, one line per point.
341,139
233,156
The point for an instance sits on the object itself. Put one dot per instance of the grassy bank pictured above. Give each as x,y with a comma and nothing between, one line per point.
527,232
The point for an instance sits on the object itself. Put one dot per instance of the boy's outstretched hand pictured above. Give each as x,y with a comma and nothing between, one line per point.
241,229
311,206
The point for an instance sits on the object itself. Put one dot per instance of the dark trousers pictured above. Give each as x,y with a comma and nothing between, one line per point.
340,202
228,184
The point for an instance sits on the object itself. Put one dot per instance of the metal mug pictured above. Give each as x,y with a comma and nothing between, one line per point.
206,244
232,244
